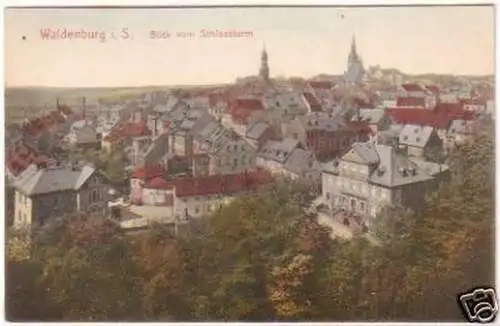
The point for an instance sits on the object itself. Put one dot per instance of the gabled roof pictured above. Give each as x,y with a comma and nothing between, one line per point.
321,121
410,102
86,134
321,84
417,136
158,183
301,161
437,119
278,151
35,181
372,116
395,169
21,155
367,152
130,129
148,172
215,185
434,89
256,130
413,87
461,127
430,168
313,101
250,104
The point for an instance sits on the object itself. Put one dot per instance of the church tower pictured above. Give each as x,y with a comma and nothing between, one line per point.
355,70
353,55
264,67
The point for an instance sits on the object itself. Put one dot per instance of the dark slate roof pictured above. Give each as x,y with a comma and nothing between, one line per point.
256,130
367,152
391,169
372,116
431,168
35,181
460,127
395,169
301,161
321,121
278,151
86,134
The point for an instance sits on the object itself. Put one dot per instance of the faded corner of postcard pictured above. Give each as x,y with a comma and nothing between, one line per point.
250,164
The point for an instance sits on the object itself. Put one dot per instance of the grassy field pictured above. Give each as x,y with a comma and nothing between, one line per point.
33,101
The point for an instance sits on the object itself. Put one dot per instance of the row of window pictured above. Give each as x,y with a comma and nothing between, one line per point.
235,162
331,143
354,204
362,188
197,209
235,147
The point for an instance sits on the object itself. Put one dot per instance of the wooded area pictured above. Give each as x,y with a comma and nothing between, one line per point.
262,258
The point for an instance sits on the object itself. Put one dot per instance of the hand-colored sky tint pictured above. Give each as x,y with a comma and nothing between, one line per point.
300,42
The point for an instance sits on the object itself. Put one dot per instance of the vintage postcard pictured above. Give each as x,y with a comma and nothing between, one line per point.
294,164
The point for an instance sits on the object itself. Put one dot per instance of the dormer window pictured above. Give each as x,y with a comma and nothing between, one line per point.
405,137
416,130
418,140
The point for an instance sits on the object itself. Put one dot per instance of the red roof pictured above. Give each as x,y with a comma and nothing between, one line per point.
241,109
436,119
219,184
313,102
20,156
359,125
37,125
157,183
361,103
449,107
251,104
412,87
321,84
148,172
410,101
433,88
472,102
132,129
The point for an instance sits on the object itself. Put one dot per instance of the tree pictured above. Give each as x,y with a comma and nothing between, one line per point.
87,269
160,265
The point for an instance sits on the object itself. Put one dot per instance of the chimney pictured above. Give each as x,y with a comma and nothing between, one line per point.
155,119
84,116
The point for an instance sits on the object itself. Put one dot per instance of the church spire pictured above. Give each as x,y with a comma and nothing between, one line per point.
354,53
264,67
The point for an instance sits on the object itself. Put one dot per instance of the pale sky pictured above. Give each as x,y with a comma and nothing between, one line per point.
300,42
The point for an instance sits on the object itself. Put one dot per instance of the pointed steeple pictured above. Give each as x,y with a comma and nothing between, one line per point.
264,67
354,54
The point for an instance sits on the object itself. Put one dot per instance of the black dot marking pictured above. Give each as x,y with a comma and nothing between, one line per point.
23,38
